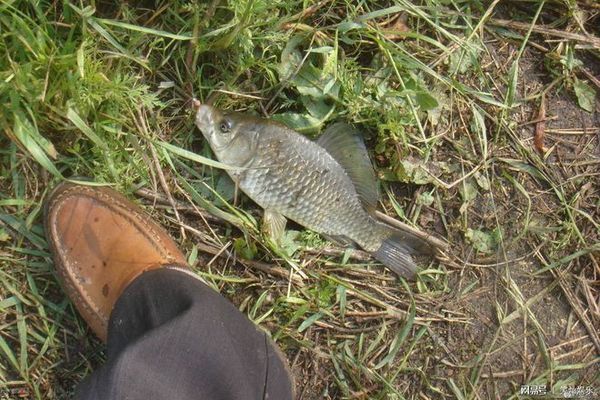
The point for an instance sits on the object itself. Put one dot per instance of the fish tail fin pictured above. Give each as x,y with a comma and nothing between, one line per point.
396,255
396,250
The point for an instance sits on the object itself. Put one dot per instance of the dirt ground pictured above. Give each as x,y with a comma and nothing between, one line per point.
477,325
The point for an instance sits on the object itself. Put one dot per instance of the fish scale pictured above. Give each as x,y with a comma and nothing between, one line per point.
291,178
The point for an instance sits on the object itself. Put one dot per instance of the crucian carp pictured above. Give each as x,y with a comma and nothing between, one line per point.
328,186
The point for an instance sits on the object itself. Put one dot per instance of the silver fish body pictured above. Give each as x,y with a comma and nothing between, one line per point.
299,179
287,174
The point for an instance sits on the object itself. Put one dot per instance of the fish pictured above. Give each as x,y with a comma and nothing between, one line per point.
328,186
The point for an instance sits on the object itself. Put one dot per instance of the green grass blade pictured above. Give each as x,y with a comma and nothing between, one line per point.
22,332
8,354
25,132
144,29
193,156
84,128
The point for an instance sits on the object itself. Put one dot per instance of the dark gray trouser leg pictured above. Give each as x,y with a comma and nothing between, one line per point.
171,337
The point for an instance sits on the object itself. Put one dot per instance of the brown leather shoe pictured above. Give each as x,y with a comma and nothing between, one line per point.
100,242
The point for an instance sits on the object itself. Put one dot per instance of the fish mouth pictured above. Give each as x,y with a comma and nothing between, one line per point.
196,103
204,117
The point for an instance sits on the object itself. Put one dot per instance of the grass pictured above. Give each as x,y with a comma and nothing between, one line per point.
448,95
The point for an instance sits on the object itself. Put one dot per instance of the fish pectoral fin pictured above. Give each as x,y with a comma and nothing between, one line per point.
345,144
274,224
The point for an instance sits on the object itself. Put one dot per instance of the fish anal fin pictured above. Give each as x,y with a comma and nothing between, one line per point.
344,143
274,224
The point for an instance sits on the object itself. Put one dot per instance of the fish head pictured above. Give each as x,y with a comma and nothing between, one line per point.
215,125
231,135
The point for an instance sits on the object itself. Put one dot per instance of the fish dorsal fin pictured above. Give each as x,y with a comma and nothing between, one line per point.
343,142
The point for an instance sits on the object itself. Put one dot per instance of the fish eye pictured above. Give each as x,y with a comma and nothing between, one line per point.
225,126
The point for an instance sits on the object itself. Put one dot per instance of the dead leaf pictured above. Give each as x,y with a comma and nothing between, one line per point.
395,28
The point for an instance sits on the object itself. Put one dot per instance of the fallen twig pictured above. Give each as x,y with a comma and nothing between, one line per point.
574,302
160,199
435,242
258,265
589,39
540,128
590,76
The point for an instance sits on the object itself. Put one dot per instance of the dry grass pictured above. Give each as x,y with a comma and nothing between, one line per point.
474,113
